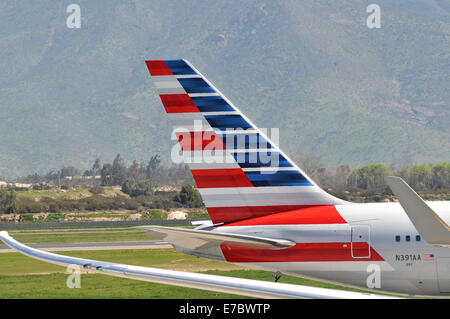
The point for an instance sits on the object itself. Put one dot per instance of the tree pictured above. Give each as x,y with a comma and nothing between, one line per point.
322,177
106,174
422,176
133,171
70,171
135,188
153,165
34,178
406,174
189,196
7,201
441,175
118,171
96,167
311,164
341,176
369,176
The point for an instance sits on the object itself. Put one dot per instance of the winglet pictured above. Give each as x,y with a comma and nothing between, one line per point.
4,233
430,226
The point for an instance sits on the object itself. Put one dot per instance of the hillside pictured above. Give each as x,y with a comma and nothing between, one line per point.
334,87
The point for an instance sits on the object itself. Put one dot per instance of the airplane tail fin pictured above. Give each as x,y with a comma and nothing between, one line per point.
239,171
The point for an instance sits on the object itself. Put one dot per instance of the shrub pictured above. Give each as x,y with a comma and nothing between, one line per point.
47,199
7,201
199,215
26,218
55,218
155,215
162,203
53,208
369,176
131,204
96,190
30,207
189,197
134,189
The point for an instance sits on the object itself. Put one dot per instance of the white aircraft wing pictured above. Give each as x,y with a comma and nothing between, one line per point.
239,286
429,225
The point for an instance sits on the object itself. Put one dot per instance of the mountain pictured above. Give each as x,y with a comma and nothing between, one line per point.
334,87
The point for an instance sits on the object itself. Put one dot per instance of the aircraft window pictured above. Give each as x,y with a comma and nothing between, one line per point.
408,238
397,238
417,237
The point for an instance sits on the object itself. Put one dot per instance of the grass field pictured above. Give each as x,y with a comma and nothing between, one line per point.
67,237
23,277
77,235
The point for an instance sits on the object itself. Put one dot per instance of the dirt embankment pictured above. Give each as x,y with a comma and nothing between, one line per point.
113,215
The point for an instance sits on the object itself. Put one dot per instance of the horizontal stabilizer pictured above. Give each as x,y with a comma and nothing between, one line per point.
239,286
195,239
429,225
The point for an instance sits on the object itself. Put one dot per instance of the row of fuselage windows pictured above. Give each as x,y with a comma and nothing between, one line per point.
407,238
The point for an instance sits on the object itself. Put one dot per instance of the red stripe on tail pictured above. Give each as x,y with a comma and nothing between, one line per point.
158,67
213,178
231,214
303,216
178,103
198,141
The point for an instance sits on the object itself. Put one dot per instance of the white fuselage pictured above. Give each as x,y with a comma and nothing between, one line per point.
373,238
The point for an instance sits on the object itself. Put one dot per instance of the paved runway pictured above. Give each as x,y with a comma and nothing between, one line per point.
110,245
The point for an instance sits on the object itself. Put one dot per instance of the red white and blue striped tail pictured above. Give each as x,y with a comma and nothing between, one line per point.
239,172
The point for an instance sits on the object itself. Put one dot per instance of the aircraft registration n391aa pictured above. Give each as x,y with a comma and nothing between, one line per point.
266,213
